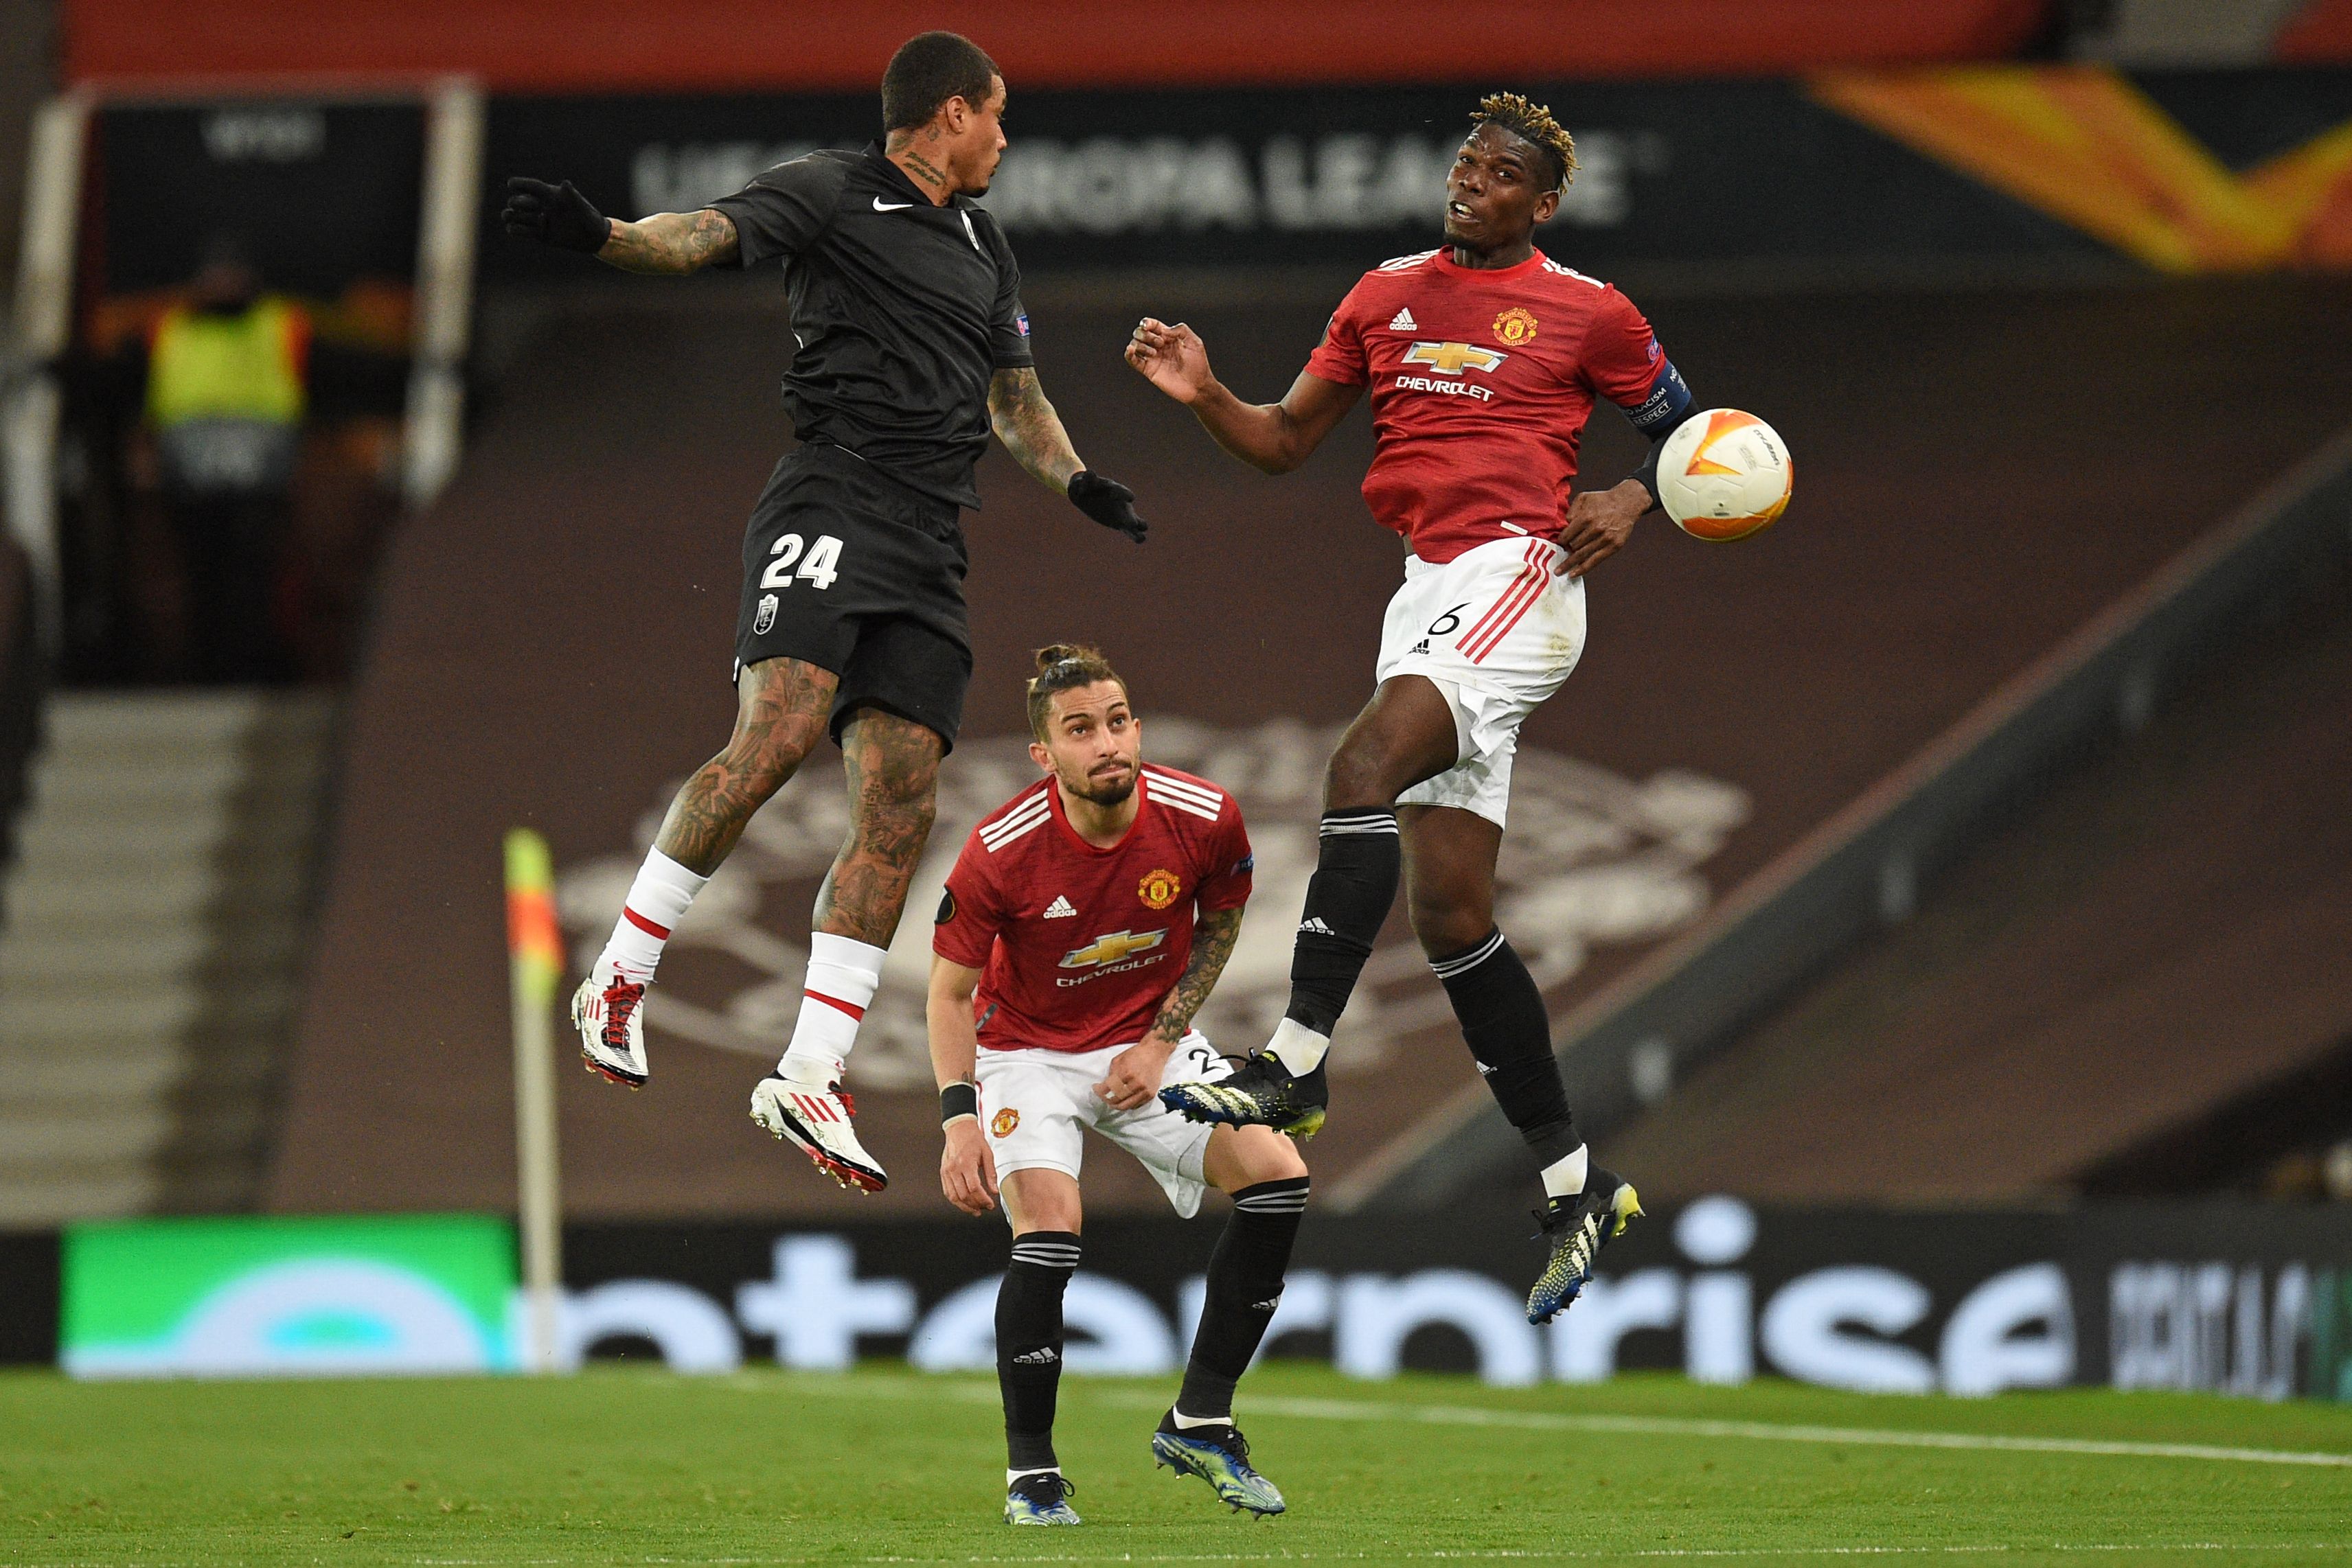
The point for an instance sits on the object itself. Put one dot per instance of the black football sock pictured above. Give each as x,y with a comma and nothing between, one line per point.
1509,1034
1029,1342
1245,1286
1348,901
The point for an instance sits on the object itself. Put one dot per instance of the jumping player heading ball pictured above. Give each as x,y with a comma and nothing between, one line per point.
911,346
1484,358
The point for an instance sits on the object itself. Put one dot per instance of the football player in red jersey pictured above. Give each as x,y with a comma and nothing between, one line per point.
1084,924
1484,358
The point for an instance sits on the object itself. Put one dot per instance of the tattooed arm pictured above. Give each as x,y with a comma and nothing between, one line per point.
671,243
1030,429
1213,936
1134,1076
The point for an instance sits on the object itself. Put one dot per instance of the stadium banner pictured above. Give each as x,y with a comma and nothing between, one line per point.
258,1297
2243,1300
1949,169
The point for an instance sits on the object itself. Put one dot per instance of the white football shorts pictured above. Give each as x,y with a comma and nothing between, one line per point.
1034,1106
1496,629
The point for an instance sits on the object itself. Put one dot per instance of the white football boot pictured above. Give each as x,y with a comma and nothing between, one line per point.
611,1022
803,1101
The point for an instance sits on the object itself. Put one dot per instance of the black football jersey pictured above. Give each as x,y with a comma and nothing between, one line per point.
901,312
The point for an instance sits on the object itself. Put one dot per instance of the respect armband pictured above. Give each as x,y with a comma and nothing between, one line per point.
958,1100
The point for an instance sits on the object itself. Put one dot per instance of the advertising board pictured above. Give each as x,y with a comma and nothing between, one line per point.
2253,1302
248,1296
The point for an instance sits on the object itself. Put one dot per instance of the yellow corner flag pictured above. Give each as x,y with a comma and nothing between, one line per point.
535,951
532,941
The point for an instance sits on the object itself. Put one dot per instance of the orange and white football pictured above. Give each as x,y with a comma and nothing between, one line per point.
1722,474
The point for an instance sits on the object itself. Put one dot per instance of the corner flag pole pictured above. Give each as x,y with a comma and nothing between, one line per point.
535,954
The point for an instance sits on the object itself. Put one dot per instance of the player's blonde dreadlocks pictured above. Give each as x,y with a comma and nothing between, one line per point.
1531,122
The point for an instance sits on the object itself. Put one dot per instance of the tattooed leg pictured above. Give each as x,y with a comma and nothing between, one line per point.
894,769
780,716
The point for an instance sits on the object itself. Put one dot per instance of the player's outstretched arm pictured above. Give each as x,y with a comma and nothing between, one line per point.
666,243
967,1170
1133,1077
1025,421
669,244
1275,437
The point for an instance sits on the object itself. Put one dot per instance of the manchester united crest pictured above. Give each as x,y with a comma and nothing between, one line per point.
1006,1121
1515,326
1160,889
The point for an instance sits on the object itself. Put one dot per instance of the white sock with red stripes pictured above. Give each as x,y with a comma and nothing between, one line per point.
657,902
841,975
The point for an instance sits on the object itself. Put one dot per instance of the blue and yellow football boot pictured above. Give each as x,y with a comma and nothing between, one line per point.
1260,1092
1040,1497
1219,1455
1579,1229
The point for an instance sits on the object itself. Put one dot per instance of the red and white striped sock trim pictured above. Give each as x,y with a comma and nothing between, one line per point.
852,1009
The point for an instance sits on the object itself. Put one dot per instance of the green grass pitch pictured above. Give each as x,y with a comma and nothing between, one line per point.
884,1465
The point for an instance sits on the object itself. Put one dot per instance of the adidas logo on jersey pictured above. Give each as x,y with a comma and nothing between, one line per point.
1059,910
1419,647
1402,321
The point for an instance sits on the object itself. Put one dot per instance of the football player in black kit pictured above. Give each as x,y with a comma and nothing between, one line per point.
912,348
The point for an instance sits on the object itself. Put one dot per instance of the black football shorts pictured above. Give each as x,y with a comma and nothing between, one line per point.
846,569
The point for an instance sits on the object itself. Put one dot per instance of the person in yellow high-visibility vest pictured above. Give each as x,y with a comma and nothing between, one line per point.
228,374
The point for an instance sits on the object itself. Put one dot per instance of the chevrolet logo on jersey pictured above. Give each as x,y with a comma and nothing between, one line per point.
1112,948
1452,358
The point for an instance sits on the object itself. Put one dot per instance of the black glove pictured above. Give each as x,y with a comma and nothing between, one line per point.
554,214
1107,502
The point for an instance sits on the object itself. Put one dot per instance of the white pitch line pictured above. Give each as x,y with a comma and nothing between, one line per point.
1495,1555
1775,1432
1644,1426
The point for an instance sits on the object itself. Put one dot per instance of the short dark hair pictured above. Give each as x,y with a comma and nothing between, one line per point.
928,69
1064,667
1533,125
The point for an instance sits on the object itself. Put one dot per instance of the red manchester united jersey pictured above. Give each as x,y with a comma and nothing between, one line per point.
1078,947
1481,385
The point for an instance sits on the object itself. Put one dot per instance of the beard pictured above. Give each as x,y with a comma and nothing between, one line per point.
1106,793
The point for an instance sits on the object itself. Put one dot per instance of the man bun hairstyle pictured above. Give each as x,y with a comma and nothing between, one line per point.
928,69
1531,123
1064,667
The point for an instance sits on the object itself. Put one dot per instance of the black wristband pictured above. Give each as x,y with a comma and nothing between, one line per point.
958,1100
1647,475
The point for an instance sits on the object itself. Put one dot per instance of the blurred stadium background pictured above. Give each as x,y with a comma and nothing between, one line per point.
1945,899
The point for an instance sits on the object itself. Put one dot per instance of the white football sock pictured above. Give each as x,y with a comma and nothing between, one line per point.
657,901
1298,1048
1564,1177
841,975
1186,1423
1011,1475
